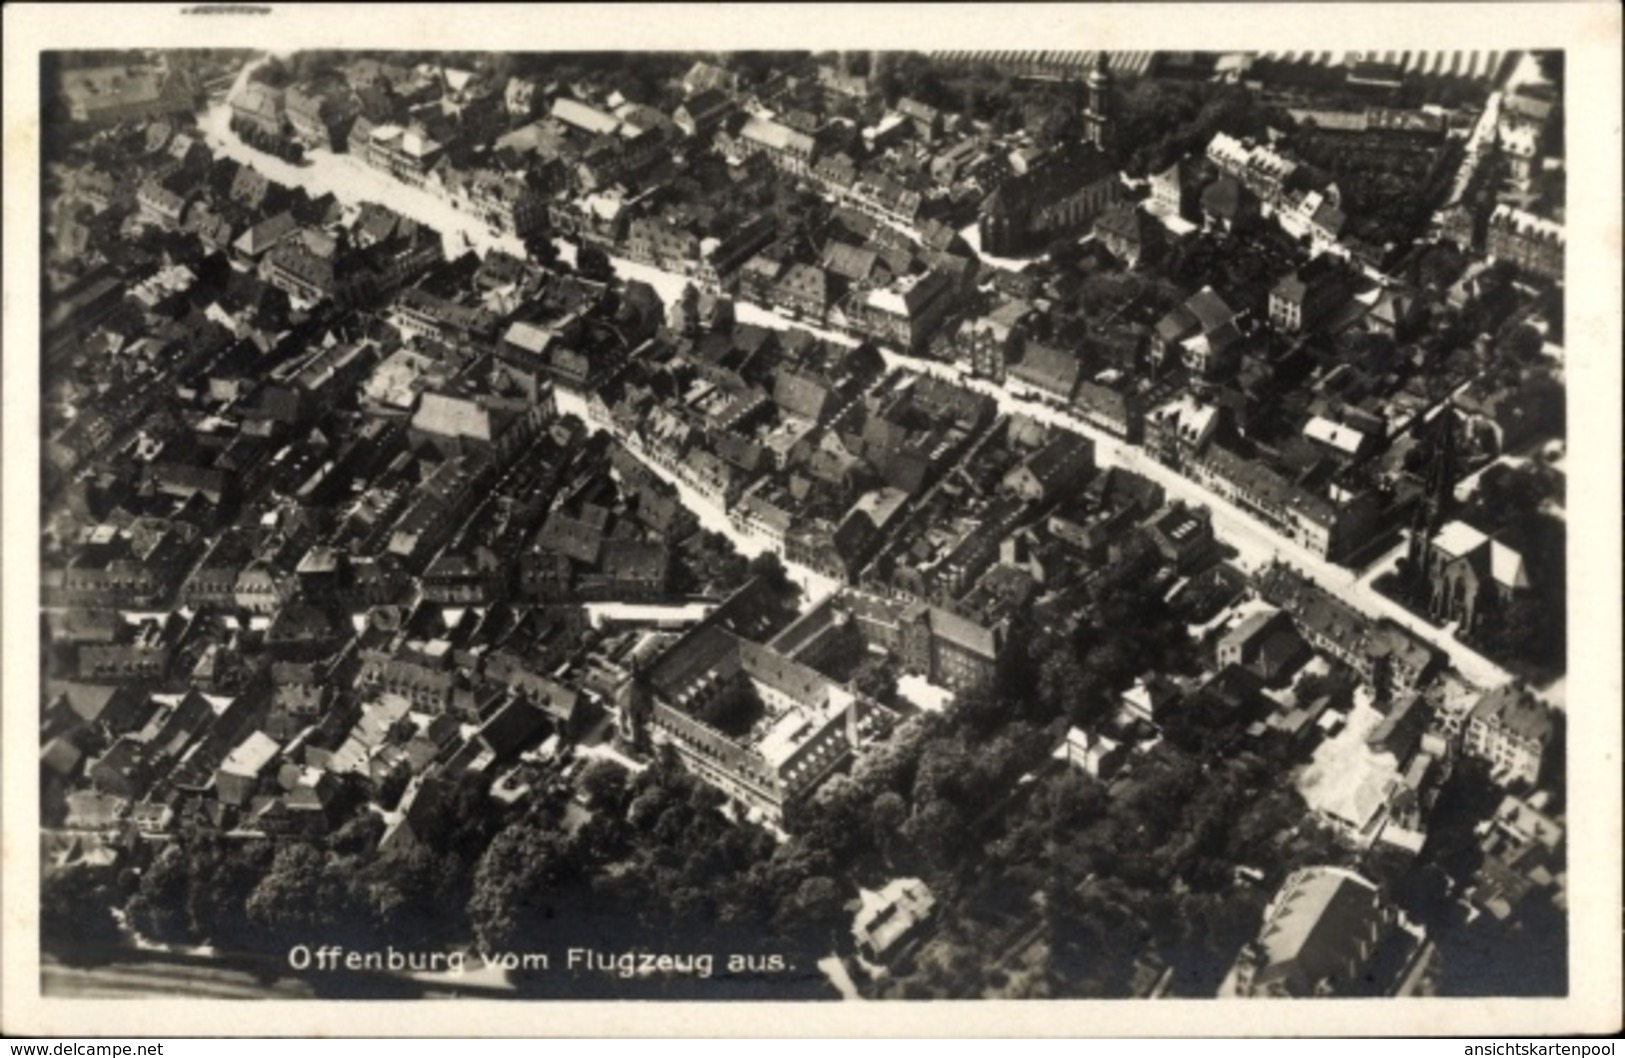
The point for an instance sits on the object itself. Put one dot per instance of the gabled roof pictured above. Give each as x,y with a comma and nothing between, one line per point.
571,537
881,505
1123,220
1210,310
1065,454
266,234
777,137
251,756
1318,929
634,560
1329,218
806,281
704,76
1045,365
800,395
913,108
964,633
258,100
849,262
452,416
587,118
1515,708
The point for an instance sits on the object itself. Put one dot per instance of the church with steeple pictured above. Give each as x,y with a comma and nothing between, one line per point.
1065,189
1437,490
1461,575
1097,117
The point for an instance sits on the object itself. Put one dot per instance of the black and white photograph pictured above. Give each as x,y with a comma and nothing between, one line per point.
852,517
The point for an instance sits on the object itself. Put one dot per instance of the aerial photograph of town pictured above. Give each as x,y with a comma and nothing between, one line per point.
820,525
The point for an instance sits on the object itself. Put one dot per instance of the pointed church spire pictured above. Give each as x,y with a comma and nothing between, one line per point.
1437,489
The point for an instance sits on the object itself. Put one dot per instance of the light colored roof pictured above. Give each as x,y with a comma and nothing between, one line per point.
1506,566
1345,439
1249,627
529,336
417,144
1317,923
582,116
451,416
963,632
887,916
1521,140
266,233
1505,216
251,757
1190,419
774,136
888,301
259,99
881,504
1459,538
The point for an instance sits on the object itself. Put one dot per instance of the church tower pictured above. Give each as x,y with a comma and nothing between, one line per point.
1097,119
1437,490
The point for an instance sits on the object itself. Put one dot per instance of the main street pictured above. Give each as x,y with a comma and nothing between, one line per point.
352,183
815,587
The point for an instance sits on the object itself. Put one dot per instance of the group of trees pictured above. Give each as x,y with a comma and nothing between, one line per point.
658,866
279,145
1130,630
968,800
300,67
1388,190
1163,121
261,896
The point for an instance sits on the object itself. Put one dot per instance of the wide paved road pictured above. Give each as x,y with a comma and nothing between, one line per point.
352,182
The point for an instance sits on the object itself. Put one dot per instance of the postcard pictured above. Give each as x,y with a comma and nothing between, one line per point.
812,520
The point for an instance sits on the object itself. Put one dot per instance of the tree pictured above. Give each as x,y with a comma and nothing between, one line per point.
1055,124
1508,496
731,712
76,913
1065,252
886,819
604,782
157,908
877,678
936,832
770,568
541,249
593,263
944,773
414,897
815,911
1336,684
359,836
514,887
273,72
393,786
1530,629
1067,689
299,896
891,765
